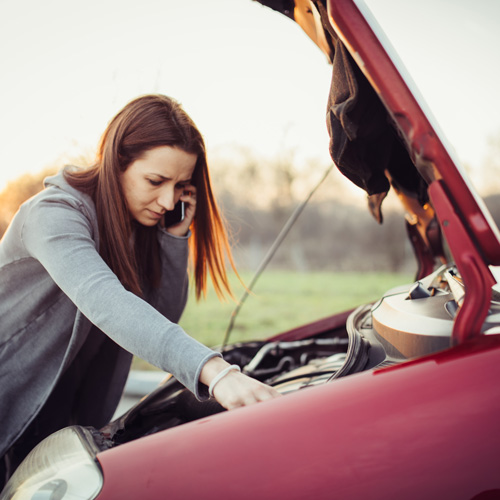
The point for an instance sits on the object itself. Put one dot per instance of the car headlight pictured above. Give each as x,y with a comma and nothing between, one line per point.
61,467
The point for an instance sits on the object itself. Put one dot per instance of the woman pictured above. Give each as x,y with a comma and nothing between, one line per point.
90,275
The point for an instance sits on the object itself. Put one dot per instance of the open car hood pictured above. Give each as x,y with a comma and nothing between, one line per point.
382,136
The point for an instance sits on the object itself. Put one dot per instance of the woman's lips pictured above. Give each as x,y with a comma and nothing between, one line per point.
154,214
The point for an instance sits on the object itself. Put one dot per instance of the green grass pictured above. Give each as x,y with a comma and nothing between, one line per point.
282,300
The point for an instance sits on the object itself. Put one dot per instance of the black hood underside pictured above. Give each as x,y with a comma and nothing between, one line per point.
364,143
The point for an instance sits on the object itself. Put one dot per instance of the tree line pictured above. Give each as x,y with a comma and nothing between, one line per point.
258,196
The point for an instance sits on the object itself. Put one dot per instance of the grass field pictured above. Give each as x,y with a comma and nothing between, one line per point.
282,300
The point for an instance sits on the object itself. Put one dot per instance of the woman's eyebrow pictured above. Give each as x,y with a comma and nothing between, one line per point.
162,177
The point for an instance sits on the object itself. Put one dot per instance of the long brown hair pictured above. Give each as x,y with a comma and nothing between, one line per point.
145,123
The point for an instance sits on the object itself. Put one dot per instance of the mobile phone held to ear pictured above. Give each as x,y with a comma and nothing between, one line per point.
172,217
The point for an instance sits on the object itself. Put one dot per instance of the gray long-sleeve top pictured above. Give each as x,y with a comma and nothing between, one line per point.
54,286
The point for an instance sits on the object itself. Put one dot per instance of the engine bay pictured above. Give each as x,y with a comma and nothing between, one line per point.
407,322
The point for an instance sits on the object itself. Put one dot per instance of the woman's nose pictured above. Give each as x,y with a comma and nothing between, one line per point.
166,199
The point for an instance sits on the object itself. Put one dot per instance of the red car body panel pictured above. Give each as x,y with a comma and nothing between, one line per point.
471,235
475,273
426,147
411,431
427,428
421,429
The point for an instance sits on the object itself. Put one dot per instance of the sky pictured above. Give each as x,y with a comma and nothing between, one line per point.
450,48
248,76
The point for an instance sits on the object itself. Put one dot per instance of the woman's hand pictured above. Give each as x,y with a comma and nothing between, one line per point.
189,199
235,389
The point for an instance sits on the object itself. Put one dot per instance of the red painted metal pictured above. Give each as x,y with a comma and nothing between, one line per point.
427,151
476,275
427,428
424,429
425,258
315,328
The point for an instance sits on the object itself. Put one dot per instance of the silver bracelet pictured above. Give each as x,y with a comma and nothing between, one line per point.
221,375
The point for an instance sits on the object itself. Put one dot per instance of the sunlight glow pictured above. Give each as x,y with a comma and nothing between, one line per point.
247,75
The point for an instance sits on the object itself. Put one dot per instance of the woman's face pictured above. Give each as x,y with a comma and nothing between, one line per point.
154,183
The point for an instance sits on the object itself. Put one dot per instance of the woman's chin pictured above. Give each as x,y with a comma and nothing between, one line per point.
147,221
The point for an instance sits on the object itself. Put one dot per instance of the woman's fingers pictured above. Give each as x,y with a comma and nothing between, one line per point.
232,388
189,199
237,389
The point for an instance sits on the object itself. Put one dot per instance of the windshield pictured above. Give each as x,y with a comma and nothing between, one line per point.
449,48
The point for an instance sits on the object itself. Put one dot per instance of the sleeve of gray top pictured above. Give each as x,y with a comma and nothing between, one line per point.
58,235
171,296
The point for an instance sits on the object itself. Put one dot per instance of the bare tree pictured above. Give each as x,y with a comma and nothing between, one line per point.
18,191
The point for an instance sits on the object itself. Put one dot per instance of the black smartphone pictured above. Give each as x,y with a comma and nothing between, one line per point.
174,216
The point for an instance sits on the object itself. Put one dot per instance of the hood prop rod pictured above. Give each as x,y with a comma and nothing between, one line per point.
477,278
270,254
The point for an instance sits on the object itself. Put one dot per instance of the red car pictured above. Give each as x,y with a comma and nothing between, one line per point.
396,399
